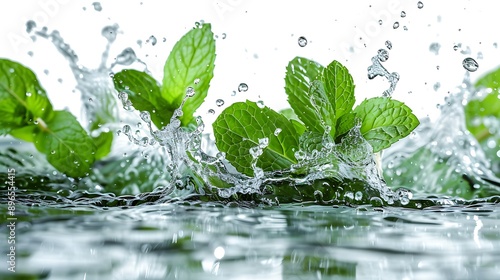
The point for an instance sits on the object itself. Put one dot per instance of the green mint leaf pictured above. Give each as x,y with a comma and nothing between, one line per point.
26,133
477,111
240,126
22,99
103,143
144,93
66,144
384,121
490,80
300,74
290,114
339,87
190,64
344,124
323,107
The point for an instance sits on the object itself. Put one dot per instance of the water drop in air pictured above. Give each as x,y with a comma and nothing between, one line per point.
190,92
395,25
219,102
211,111
380,22
224,36
97,6
420,5
242,87
153,40
302,41
470,64
403,14
383,55
388,45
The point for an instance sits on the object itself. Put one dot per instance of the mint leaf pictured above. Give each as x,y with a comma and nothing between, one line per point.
66,144
240,126
22,99
384,121
300,73
490,80
310,141
344,124
144,93
339,87
192,58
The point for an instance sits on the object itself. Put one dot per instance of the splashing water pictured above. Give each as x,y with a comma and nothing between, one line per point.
442,155
376,69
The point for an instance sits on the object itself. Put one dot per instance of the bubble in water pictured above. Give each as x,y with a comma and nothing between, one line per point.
395,25
470,64
152,39
383,55
403,14
388,44
242,87
219,102
97,6
302,41
420,5
190,92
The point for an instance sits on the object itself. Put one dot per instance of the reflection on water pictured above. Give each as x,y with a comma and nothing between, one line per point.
210,241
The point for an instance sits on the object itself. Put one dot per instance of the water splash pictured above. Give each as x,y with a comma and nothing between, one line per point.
442,156
376,69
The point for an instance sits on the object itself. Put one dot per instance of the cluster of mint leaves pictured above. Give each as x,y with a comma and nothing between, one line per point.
187,71
27,114
322,100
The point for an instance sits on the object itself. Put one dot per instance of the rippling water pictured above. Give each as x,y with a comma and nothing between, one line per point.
210,241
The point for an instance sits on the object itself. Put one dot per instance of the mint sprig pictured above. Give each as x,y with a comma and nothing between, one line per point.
28,115
189,65
322,99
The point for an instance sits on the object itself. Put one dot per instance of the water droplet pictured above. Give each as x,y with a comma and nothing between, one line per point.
30,53
242,87
403,14
437,86
30,25
470,64
358,196
380,22
455,47
126,129
196,81
224,36
219,102
277,131
405,28
302,41
109,32
145,116
164,40
152,39
211,111
434,48
53,152
190,92
260,104
395,25
126,57
420,5
383,55
318,195
97,6
28,94
388,44
46,72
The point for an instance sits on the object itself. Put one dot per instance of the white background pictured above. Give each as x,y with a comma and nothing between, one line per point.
261,37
